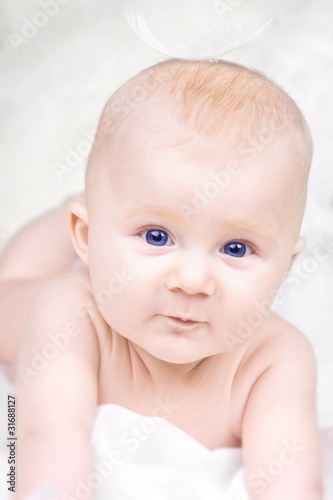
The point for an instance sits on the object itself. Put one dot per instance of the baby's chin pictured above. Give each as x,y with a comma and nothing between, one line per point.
180,359
180,355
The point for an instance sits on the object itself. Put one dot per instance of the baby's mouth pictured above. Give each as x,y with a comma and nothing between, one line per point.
183,321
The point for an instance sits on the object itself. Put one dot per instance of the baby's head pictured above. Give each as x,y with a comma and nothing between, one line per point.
195,192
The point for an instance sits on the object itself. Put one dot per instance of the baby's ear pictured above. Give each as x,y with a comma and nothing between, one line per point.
298,248
79,229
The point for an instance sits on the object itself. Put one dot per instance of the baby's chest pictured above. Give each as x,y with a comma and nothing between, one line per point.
203,412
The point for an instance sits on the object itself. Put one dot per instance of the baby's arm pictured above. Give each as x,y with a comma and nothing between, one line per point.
56,378
280,439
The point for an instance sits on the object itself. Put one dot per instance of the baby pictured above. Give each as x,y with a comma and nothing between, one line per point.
195,193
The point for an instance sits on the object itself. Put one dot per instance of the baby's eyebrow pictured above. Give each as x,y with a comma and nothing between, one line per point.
250,228
145,210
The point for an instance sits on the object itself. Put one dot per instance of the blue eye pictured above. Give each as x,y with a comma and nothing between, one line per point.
157,237
236,249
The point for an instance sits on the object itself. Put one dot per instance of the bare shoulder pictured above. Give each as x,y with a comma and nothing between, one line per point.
63,314
59,354
67,287
278,343
279,348
69,296
281,341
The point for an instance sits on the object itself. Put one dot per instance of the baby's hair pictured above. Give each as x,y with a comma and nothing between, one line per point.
208,98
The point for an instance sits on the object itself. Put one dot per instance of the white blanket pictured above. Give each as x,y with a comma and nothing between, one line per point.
138,457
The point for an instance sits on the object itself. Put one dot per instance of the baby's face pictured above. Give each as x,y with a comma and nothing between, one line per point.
182,265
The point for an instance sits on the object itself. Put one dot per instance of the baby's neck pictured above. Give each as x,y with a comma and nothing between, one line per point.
164,375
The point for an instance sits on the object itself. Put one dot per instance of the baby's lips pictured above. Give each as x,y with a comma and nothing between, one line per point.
47,492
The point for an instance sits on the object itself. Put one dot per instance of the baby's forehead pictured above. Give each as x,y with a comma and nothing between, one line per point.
149,163
174,190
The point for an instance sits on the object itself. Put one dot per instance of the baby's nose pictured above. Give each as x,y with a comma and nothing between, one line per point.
192,274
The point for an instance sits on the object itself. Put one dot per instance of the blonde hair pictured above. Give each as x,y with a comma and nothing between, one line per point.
206,97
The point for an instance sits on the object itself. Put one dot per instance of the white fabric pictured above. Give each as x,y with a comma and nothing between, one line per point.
146,457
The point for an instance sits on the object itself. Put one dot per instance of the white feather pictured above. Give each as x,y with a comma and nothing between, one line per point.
211,45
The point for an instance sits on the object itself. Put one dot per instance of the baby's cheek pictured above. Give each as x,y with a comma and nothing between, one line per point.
245,312
122,305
